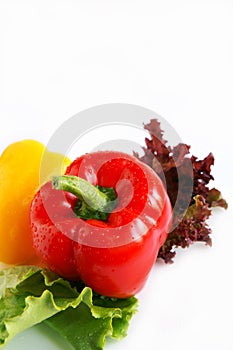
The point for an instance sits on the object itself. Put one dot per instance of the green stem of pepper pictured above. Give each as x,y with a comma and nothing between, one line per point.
94,202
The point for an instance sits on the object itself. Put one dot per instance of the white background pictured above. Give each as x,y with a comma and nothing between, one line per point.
174,57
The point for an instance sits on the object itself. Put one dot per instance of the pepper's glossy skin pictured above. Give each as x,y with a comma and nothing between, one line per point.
112,257
19,180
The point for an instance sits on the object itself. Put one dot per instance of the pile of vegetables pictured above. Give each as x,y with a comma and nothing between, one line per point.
82,244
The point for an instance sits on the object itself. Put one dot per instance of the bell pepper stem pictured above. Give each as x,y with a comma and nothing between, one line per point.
85,191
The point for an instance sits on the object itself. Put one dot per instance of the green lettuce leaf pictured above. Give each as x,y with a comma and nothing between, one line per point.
30,295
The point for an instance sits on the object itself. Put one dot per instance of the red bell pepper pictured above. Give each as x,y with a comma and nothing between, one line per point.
104,221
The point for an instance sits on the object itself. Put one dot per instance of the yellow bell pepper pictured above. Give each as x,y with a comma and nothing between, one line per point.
20,178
